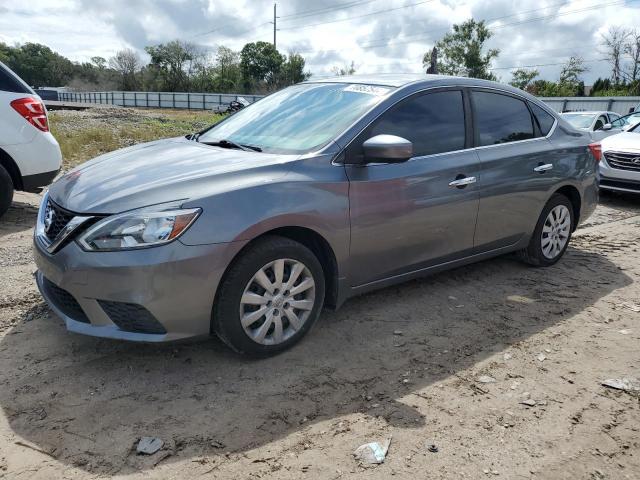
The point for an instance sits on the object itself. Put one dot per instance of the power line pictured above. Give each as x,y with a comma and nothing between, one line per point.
296,27
322,11
555,15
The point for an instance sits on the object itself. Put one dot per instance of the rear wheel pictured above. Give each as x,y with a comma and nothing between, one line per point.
270,297
6,190
551,236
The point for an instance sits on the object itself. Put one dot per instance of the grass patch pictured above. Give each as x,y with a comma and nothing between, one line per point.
83,135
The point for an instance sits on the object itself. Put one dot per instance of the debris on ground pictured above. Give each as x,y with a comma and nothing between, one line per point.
625,384
529,402
372,453
433,448
149,445
486,379
541,357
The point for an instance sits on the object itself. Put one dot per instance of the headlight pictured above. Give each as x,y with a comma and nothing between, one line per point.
139,228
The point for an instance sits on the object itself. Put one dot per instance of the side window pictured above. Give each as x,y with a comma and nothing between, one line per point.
545,120
613,117
500,118
600,122
433,122
8,83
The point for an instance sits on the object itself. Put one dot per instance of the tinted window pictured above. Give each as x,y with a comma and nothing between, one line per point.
501,119
9,83
545,119
433,122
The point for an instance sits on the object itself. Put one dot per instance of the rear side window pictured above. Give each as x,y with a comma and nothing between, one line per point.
433,122
9,83
545,120
500,118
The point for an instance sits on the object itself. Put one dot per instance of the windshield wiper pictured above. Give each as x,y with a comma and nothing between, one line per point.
224,143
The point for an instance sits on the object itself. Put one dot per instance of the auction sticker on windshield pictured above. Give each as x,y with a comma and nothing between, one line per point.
370,89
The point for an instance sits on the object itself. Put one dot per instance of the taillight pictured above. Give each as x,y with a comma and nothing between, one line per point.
596,150
33,112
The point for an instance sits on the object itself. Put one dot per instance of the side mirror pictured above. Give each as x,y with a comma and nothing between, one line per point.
631,110
387,149
606,126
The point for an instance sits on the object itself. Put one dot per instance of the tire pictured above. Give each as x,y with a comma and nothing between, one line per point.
539,253
242,285
6,190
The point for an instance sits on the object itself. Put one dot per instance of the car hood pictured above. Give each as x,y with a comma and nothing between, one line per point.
158,172
628,141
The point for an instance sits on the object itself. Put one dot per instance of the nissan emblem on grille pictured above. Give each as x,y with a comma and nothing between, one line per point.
48,218
636,160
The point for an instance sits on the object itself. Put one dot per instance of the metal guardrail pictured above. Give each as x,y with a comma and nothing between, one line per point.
620,105
181,100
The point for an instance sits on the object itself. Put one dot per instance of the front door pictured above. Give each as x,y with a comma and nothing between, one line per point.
409,216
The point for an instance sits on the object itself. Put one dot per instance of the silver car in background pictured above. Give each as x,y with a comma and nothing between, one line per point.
316,193
620,162
598,123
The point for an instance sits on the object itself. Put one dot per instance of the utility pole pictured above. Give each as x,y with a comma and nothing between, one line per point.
274,25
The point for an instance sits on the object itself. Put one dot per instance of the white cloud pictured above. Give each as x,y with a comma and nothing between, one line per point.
526,32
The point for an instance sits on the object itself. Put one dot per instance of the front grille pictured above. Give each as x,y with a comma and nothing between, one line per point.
58,218
132,317
623,161
65,302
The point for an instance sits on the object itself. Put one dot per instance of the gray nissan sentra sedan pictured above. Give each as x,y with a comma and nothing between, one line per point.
316,193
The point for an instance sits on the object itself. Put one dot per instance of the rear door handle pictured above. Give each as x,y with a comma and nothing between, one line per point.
543,168
462,182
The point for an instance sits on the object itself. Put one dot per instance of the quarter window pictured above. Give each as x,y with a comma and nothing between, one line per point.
545,119
433,122
8,83
501,119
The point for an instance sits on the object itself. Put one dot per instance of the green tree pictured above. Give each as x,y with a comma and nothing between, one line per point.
99,62
172,61
522,78
227,74
293,70
261,64
461,51
38,65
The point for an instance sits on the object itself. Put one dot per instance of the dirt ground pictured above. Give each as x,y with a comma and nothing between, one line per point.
407,363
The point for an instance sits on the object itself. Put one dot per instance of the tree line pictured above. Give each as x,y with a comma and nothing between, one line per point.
260,68
174,66
463,52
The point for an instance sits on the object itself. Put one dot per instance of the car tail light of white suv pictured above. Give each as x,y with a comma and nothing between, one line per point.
33,111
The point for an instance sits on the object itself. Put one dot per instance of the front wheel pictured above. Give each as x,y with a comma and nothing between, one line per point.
270,297
551,236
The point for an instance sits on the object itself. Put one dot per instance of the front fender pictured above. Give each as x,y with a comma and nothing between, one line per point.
314,194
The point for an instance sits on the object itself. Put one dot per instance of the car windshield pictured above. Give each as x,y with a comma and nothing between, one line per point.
579,120
298,119
631,119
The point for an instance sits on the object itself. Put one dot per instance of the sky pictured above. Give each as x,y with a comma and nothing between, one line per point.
377,35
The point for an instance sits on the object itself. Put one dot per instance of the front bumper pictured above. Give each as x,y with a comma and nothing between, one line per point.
174,285
618,179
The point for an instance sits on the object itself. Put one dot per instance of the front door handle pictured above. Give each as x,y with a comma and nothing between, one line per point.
462,182
543,167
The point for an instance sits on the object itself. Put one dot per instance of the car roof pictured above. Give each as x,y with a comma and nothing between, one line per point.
399,80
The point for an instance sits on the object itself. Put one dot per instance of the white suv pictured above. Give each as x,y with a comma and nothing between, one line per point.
29,155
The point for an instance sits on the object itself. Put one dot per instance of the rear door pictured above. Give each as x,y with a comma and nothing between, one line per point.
406,216
515,168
